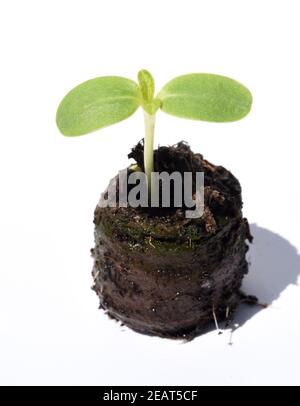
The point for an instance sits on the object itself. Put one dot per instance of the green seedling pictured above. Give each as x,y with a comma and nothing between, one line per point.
107,100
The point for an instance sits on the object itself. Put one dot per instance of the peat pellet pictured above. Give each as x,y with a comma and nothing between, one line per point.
162,274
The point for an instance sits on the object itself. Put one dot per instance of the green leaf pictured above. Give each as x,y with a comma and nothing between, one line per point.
97,103
147,86
207,97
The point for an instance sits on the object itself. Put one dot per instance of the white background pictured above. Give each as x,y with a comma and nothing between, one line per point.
51,331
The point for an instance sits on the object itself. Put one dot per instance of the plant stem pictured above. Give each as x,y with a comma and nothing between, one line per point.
149,120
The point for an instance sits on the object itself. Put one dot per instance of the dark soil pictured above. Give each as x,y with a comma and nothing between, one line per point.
163,274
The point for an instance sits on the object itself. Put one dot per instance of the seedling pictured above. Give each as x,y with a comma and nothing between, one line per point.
107,100
198,265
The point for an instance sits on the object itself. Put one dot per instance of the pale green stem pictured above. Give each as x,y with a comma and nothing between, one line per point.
148,146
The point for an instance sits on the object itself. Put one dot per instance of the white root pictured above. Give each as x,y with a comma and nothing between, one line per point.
216,321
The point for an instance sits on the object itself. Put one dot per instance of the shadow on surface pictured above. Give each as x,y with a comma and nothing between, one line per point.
274,265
